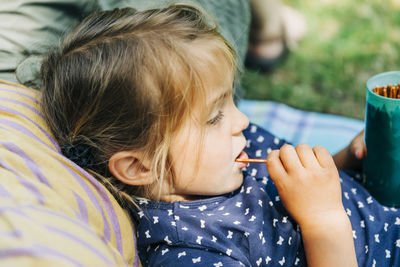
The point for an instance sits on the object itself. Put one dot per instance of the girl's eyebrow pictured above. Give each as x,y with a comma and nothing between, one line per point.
221,98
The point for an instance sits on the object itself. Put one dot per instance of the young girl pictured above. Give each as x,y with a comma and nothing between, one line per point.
143,100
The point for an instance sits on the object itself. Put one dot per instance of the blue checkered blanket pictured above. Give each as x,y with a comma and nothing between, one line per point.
297,126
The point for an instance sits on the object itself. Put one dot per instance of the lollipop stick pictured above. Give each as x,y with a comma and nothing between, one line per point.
252,160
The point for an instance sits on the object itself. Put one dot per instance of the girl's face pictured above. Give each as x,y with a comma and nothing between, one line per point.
220,141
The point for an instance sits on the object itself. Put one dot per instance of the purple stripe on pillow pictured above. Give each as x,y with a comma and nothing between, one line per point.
20,211
102,193
136,259
17,92
79,241
12,111
93,199
108,206
23,104
16,233
79,223
82,208
107,203
29,91
1,127
4,192
26,131
82,225
32,165
110,210
37,251
26,183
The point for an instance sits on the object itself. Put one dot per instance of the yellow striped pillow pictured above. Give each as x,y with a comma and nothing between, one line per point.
51,211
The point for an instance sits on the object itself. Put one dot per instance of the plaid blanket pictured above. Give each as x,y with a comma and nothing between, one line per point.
297,126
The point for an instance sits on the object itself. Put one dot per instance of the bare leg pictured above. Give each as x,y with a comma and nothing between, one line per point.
274,25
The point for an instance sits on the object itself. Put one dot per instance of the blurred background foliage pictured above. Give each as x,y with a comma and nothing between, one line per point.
347,42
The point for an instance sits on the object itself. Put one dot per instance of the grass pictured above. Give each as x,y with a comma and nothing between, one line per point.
347,42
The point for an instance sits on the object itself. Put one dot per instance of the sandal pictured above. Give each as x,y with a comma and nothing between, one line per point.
264,64
287,38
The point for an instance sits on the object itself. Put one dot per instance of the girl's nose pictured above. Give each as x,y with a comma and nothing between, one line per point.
240,122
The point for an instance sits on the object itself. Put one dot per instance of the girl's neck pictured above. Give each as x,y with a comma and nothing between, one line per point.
176,198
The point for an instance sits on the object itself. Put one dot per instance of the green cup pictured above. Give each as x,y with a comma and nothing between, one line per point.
382,138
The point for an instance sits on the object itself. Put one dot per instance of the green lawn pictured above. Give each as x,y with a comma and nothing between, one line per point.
347,42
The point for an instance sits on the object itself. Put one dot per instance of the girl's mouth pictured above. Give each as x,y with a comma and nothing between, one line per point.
242,155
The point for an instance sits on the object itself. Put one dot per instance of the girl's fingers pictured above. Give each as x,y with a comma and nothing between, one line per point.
306,156
289,158
275,167
357,146
324,157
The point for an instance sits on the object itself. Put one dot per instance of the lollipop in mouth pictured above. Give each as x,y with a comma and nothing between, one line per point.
251,160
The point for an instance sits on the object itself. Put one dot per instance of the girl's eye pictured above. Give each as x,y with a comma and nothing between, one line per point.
217,118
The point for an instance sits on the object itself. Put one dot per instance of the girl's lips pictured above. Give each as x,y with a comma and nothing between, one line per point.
242,155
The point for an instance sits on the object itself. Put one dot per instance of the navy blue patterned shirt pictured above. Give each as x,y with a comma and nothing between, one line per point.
250,227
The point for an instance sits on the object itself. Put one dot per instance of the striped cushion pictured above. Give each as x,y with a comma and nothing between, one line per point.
51,211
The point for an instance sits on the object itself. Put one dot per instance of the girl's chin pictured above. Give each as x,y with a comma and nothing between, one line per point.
238,181
233,185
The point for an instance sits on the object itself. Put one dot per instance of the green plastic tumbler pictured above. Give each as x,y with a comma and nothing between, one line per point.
382,138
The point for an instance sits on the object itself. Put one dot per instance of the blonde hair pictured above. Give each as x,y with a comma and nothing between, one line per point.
126,80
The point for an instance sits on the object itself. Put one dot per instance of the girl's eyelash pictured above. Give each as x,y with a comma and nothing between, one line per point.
217,118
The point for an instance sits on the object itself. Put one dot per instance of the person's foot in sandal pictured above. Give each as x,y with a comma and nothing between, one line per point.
275,30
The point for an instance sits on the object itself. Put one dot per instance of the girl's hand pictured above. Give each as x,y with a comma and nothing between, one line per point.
308,185
350,158
307,181
357,146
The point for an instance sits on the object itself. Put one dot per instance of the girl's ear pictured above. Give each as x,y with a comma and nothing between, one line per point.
130,167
